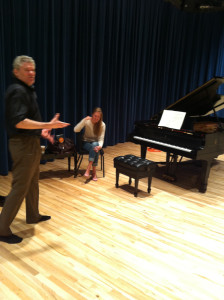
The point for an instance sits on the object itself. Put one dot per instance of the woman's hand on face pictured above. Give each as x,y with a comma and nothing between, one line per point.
88,118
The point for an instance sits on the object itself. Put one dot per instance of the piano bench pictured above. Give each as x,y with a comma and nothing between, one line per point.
134,167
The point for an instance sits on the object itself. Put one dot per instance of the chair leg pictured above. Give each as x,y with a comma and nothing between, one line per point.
103,166
78,162
75,163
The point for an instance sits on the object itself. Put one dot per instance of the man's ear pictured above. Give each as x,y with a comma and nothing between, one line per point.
15,72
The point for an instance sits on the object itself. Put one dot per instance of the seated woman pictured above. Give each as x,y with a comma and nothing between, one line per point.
93,138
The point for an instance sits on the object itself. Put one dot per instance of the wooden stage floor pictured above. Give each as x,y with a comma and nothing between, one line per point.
104,243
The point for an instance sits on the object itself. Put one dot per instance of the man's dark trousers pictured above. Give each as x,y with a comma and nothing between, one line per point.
26,153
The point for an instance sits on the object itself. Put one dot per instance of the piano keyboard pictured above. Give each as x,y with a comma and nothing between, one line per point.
162,144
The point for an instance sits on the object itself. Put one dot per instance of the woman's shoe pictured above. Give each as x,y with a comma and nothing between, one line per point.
94,177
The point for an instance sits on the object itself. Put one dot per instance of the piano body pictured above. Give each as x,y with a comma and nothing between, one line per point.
201,137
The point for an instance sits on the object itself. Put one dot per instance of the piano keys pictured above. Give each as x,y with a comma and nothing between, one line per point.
191,141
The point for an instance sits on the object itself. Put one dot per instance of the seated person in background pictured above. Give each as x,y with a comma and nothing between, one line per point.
93,138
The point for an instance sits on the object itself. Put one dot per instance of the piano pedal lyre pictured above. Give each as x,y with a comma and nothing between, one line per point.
169,177
171,165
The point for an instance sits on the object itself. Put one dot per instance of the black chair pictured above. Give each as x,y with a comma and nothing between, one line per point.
80,152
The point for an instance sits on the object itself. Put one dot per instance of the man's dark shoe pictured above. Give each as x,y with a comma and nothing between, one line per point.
11,239
2,201
42,219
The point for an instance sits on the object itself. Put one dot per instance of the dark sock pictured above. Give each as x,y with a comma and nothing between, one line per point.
2,201
11,239
42,219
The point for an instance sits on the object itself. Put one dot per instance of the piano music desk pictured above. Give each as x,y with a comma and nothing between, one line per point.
134,167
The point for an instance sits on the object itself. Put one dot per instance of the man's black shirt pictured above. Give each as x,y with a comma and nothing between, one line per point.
21,103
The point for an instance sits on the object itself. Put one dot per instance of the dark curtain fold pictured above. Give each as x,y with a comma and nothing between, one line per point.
130,57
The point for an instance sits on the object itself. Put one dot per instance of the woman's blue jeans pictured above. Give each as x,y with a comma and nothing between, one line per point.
93,155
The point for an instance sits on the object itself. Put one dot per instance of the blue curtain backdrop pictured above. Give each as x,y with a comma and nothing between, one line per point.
130,57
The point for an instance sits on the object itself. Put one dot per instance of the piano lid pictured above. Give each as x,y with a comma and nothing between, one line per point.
202,100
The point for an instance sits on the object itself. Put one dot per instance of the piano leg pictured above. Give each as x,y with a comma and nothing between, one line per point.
143,151
206,165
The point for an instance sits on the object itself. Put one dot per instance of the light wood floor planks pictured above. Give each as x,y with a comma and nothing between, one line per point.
103,243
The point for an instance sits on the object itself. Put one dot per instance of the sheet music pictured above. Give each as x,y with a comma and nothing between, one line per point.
172,119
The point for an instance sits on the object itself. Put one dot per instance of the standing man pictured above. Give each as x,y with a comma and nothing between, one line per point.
24,127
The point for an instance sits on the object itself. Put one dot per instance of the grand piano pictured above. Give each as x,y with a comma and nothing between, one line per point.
201,137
